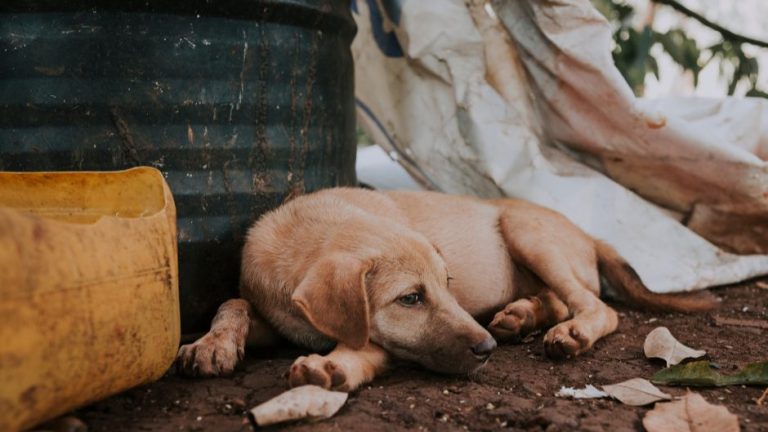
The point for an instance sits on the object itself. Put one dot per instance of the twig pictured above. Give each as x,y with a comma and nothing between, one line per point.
762,398
723,321
727,34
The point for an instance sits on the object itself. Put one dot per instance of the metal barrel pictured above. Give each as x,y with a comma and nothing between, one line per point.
241,105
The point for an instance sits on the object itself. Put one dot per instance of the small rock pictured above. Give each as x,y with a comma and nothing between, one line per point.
490,406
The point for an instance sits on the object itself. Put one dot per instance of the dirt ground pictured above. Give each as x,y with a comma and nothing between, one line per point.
515,391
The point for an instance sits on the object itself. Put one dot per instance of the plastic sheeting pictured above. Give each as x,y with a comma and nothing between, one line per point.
522,99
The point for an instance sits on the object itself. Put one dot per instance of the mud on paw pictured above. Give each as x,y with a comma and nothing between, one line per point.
209,356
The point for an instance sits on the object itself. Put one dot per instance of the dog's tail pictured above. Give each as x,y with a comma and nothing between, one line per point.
626,284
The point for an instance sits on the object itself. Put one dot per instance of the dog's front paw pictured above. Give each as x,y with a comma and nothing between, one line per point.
317,370
511,323
566,340
211,355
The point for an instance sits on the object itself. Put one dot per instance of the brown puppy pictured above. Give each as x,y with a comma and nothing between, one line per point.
369,275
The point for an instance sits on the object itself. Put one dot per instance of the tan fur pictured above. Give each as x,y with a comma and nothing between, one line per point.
341,267
625,280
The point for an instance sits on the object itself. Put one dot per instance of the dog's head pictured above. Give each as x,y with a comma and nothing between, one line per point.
397,297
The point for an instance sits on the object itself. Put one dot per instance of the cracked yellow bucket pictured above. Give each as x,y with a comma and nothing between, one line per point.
88,288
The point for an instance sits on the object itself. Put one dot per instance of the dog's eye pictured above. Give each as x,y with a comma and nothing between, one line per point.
411,299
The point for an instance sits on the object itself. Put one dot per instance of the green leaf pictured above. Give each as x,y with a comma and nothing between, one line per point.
756,92
615,11
653,67
700,374
683,50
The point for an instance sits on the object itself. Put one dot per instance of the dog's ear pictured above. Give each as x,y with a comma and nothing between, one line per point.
333,298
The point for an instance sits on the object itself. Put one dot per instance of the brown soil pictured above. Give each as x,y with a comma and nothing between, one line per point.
514,391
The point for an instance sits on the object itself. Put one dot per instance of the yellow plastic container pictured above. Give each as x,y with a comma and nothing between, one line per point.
88,289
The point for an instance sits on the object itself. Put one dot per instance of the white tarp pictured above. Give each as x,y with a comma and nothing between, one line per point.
522,99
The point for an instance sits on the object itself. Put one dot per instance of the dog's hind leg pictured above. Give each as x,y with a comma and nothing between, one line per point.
565,260
527,315
343,369
219,351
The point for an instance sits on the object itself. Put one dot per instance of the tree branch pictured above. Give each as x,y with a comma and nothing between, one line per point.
727,34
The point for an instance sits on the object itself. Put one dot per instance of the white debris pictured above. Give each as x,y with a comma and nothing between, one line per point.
588,392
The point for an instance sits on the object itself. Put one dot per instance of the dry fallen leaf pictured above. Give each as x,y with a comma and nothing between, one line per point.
636,392
690,413
661,344
304,402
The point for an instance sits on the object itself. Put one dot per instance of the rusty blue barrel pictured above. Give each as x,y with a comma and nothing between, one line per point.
240,103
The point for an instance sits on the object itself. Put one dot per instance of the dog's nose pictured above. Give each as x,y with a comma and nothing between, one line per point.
484,349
